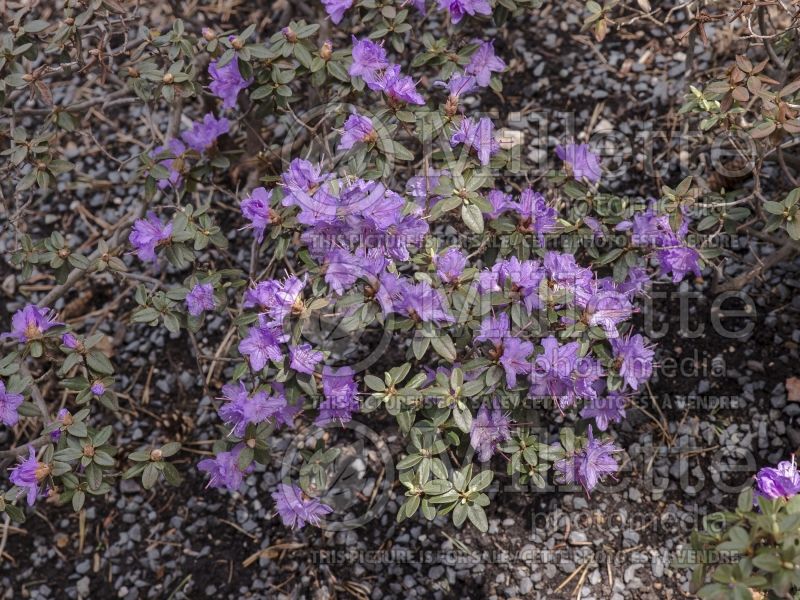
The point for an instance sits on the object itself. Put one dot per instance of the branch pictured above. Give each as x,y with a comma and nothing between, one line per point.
19,450
737,283
114,243
762,25
36,394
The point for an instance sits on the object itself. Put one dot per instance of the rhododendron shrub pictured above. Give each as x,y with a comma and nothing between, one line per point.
398,270
754,549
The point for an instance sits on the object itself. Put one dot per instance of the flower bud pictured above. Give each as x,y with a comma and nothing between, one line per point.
289,34
326,51
42,471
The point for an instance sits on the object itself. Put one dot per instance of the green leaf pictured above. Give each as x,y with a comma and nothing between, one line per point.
767,561
462,418
478,518
170,449
98,363
150,476
444,347
94,475
481,481
745,501
420,346
374,383
472,217
460,514
437,487
78,498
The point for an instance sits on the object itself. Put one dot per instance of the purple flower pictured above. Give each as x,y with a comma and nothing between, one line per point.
635,281
203,135
8,406
30,323
342,270
478,137
224,469
28,474
200,299
588,465
488,430
356,129
524,276
551,375
652,229
450,265
780,482
263,295
483,63
567,276
61,420
227,82
422,302
278,299
70,341
610,409
304,358
422,186
609,308
399,87
500,201
280,411
263,344
458,8
241,409
649,228
302,187
175,148
679,261
147,234
296,509
580,161
337,8
341,396
635,359
494,329
460,84
535,216
515,359
98,388
256,209
289,298
368,59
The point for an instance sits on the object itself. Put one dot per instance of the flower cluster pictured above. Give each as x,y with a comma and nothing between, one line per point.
461,273
778,482
371,64
653,230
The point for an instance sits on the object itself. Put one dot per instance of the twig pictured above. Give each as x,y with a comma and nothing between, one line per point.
122,230
36,394
737,283
762,25
19,450
4,539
